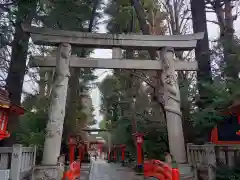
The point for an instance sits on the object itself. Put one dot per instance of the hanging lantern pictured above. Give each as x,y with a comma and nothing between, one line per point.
6,108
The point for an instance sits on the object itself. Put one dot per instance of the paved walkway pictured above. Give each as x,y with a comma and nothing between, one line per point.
101,170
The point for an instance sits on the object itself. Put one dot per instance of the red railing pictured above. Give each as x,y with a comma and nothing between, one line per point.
160,170
74,171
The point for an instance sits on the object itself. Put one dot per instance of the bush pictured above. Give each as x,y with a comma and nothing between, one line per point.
226,173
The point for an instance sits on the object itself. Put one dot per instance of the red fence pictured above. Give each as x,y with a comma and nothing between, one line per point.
74,171
152,168
160,170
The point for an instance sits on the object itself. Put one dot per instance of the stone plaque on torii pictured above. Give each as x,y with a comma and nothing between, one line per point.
63,61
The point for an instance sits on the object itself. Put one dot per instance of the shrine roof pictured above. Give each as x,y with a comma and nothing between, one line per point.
4,99
234,107
5,102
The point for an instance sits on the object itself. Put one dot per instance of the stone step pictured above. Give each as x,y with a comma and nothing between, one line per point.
185,169
186,172
85,171
187,177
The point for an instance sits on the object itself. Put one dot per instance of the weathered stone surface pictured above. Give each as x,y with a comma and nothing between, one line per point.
47,173
46,36
56,112
108,171
40,61
85,171
172,107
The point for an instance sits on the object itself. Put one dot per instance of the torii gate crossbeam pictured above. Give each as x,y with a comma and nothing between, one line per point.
65,39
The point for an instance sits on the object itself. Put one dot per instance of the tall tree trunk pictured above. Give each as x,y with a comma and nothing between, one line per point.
227,38
17,69
73,98
74,89
147,30
143,23
202,50
223,10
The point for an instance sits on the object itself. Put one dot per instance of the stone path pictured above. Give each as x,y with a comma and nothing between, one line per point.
101,170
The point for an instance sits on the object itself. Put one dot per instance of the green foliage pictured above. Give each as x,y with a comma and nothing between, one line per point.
156,144
103,124
82,15
222,95
120,14
33,123
117,91
68,14
225,173
118,116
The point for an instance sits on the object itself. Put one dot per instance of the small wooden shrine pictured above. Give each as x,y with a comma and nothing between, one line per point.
228,131
6,108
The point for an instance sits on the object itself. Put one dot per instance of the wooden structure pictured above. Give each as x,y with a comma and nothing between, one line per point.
72,142
16,162
139,144
167,63
21,159
123,147
112,155
228,131
6,107
99,130
93,145
224,149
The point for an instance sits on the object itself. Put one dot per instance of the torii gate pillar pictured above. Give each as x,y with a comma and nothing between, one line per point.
43,36
172,106
56,114
56,111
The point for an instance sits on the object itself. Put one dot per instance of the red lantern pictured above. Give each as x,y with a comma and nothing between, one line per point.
5,109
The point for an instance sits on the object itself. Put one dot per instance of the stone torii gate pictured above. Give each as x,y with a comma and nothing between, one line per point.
63,60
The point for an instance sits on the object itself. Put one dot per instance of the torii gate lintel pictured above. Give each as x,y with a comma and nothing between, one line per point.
64,39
